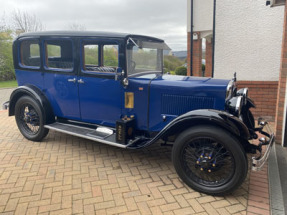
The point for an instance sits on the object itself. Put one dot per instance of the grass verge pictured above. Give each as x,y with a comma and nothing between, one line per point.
8,84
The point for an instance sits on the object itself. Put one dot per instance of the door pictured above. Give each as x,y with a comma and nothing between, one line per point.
101,96
60,78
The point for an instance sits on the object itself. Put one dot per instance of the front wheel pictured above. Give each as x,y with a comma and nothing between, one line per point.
210,160
30,119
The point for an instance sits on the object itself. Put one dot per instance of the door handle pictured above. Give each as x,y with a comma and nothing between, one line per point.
72,80
81,81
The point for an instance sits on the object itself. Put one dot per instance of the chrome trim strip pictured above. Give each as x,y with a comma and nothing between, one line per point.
87,137
238,104
84,123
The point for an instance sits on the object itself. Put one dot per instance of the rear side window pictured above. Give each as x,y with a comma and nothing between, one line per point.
30,54
59,54
91,57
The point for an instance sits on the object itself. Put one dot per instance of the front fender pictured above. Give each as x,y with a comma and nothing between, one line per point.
206,116
35,93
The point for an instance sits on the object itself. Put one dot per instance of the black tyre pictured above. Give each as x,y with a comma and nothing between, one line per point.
30,119
210,160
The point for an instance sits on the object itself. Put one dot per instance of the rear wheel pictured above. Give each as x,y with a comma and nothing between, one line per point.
210,160
29,118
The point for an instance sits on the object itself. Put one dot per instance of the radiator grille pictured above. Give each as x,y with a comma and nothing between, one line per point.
177,105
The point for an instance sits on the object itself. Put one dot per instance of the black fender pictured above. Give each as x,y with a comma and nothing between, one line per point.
38,95
222,119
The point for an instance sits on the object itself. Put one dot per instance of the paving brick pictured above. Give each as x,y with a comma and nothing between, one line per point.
11,205
48,208
235,208
257,210
4,199
220,204
21,208
205,199
195,205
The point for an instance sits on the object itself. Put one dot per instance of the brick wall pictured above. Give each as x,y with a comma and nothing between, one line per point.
208,59
197,55
264,94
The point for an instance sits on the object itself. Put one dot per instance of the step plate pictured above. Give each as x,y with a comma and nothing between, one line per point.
87,133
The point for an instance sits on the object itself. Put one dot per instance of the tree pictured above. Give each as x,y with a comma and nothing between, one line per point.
25,22
6,60
171,63
77,27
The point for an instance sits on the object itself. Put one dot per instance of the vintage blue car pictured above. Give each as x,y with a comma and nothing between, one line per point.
110,88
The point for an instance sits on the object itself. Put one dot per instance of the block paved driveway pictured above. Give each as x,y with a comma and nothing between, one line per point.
69,175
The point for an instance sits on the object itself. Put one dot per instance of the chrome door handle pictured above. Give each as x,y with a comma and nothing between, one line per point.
72,80
81,81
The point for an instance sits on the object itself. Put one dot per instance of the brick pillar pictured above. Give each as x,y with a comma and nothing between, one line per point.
197,55
208,58
281,85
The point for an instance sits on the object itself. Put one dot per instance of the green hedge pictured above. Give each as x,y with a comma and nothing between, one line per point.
181,70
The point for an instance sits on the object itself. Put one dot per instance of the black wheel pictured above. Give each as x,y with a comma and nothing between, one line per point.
210,160
29,118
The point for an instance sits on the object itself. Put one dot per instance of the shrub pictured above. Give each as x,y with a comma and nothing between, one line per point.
181,70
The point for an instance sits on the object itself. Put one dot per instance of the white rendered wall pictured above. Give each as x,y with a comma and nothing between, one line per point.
248,40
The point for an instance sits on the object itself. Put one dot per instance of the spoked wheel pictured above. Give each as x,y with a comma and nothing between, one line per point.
29,118
210,160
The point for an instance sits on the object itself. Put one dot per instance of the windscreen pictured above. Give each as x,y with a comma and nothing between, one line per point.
144,57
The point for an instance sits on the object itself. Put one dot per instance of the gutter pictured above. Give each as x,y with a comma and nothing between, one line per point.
191,38
213,40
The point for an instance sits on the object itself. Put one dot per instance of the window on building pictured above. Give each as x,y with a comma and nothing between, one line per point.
30,53
59,54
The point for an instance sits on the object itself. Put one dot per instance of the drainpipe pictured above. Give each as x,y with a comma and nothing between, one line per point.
213,39
191,38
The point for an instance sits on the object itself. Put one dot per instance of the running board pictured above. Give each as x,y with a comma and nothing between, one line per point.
101,134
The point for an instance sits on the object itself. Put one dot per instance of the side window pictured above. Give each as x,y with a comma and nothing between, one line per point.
91,57
111,54
30,53
59,54
100,57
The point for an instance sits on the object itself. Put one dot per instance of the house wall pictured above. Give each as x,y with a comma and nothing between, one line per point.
248,39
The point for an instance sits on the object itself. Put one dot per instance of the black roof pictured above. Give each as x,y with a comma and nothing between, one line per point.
86,34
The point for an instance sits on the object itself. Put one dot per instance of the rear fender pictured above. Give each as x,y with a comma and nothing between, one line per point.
210,117
38,95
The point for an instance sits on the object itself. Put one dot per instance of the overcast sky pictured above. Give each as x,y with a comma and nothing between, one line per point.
165,19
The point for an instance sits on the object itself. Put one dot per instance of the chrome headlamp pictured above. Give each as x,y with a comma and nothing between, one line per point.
244,93
234,105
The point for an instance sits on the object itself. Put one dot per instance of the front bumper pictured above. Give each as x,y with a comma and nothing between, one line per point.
258,162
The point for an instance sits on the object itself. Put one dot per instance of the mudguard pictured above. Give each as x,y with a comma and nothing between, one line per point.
202,117
37,94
